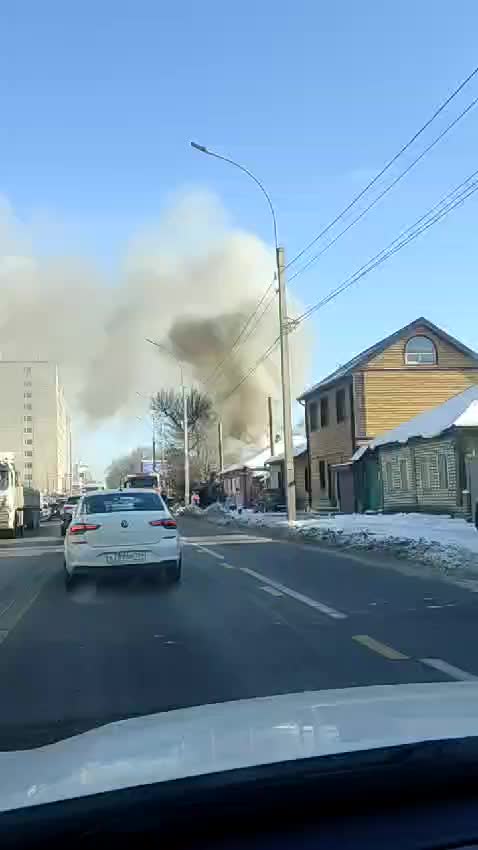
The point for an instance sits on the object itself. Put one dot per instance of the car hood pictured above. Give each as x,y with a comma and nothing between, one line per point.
211,738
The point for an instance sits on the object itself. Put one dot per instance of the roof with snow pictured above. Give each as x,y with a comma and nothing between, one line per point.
258,460
300,447
461,411
361,359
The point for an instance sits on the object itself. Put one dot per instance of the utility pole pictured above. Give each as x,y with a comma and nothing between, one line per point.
219,442
286,400
186,441
271,425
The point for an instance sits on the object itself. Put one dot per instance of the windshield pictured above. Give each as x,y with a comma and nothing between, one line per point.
142,481
4,479
238,275
119,502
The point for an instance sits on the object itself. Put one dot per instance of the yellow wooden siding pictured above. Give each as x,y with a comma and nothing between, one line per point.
393,357
302,496
394,397
336,438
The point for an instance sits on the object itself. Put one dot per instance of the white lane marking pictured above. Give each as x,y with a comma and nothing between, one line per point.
271,590
229,566
29,552
449,669
221,539
210,552
300,597
7,607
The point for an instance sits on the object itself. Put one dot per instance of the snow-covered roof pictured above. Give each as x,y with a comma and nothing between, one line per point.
460,411
258,461
300,446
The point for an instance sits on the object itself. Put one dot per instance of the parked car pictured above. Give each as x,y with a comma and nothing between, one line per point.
67,512
122,531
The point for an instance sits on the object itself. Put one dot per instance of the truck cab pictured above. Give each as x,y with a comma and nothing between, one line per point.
11,498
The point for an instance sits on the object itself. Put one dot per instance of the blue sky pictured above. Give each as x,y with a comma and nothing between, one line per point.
99,102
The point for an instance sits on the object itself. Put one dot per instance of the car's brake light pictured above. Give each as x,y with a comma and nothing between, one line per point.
165,523
81,527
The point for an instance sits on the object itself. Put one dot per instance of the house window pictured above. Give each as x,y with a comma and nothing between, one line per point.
322,474
27,418
28,454
27,407
27,395
425,473
28,442
389,475
324,412
340,405
443,471
313,416
27,371
27,383
403,474
306,479
28,464
420,350
28,430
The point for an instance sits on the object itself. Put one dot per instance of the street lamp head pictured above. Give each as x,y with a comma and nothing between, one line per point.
197,147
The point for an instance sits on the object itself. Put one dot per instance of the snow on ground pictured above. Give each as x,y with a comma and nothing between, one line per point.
437,541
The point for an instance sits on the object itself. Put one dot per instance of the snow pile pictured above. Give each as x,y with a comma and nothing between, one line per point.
437,541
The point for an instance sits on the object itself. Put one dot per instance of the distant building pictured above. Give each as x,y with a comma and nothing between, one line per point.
34,423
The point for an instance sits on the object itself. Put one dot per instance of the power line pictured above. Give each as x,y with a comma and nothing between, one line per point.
387,189
243,330
253,368
386,166
448,203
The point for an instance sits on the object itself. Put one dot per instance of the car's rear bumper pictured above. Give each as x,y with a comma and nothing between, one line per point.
126,570
84,558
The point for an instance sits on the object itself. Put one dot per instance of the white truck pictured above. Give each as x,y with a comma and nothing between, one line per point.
20,507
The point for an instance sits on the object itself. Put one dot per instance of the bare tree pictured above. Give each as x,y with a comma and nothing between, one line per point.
121,466
168,404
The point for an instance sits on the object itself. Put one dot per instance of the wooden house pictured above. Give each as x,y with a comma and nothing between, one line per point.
411,371
429,463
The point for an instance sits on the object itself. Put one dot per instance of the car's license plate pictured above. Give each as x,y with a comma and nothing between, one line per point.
125,557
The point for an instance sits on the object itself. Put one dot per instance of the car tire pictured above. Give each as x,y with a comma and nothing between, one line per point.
173,573
69,579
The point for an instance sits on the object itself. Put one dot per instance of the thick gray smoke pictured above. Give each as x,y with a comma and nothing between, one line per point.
191,283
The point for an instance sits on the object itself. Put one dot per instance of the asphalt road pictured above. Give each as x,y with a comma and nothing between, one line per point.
252,617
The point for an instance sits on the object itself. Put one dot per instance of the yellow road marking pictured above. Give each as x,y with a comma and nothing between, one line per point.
382,648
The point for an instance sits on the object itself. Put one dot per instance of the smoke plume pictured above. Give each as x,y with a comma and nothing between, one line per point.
191,283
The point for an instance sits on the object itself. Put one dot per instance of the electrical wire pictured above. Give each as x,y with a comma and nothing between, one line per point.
448,203
385,167
253,368
386,190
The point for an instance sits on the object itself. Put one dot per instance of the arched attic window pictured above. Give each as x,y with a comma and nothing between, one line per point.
420,351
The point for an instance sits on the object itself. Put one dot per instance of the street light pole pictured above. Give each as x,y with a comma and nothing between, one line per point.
185,416
284,340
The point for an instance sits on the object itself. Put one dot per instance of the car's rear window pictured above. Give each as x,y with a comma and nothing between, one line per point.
107,503
73,500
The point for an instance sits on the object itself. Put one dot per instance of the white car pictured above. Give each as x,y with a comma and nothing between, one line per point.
122,531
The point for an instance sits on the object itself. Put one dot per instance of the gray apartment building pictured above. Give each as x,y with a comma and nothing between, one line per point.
34,423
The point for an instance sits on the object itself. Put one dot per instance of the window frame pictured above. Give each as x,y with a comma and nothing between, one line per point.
404,480
443,471
324,414
340,394
322,475
313,415
389,475
420,362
